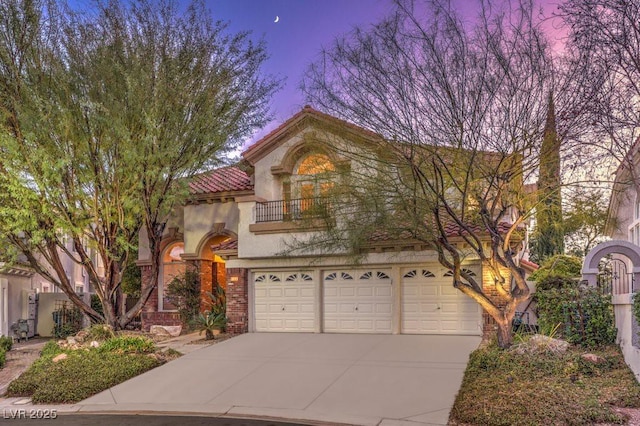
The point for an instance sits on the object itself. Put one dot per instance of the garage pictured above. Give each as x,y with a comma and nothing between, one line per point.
285,301
357,301
431,305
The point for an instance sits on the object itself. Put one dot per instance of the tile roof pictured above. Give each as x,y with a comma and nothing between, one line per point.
225,245
451,230
529,265
225,179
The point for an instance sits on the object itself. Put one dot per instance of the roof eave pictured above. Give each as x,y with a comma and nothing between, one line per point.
221,196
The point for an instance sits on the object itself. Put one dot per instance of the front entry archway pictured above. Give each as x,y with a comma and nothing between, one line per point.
212,271
622,301
625,248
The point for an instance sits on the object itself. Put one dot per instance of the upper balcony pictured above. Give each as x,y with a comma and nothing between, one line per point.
299,214
290,210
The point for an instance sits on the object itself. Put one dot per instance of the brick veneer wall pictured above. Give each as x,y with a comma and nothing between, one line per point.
159,318
237,300
145,277
205,284
489,325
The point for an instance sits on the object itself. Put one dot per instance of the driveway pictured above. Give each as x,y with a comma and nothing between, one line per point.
336,378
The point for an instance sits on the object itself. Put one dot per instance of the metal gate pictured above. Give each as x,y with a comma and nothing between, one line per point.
614,277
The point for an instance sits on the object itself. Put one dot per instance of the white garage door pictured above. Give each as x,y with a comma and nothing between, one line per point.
357,302
285,301
431,305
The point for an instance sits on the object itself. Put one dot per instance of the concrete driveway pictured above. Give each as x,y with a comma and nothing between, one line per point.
335,378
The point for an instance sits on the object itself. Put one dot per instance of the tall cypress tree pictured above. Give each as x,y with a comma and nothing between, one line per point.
549,236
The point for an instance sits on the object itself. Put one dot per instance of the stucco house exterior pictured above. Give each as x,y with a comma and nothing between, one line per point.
22,290
240,220
623,227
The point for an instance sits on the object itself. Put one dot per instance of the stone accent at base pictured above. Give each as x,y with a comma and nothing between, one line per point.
159,318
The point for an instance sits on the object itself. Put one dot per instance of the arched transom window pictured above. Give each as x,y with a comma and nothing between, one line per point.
312,177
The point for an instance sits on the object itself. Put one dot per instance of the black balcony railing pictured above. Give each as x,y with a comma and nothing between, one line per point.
287,210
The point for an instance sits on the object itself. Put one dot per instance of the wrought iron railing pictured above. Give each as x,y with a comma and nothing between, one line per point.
288,210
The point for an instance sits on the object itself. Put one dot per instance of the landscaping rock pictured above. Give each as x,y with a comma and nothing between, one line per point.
94,344
59,358
172,331
71,340
539,344
81,336
593,358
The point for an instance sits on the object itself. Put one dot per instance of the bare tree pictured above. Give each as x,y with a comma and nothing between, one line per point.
460,112
603,47
102,116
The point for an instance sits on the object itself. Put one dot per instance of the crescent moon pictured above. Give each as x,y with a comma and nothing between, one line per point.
277,19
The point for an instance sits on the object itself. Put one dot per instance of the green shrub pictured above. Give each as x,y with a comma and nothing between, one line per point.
6,343
50,349
128,345
100,332
132,278
559,265
67,321
636,307
586,315
3,357
183,293
558,283
96,304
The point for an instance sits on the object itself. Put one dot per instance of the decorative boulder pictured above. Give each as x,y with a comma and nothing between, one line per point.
593,358
81,336
171,330
59,358
539,344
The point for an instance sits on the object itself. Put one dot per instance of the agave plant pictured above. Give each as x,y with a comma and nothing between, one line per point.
209,322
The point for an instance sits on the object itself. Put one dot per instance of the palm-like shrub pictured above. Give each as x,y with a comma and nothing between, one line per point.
214,318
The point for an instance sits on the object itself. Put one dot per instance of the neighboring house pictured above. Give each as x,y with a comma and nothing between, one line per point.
19,286
15,284
238,222
621,273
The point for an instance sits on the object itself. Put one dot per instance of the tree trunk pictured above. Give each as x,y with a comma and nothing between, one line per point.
505,334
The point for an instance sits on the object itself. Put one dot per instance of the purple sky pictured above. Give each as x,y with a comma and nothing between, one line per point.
304,27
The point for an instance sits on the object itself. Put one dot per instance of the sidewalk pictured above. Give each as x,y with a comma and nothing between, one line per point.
19,358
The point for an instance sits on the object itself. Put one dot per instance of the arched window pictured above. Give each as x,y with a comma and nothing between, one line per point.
172,266
312,177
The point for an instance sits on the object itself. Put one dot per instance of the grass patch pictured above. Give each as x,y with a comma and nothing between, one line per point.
128,344
505,388
85,371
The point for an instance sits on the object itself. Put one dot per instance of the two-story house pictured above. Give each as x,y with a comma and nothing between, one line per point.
239,222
